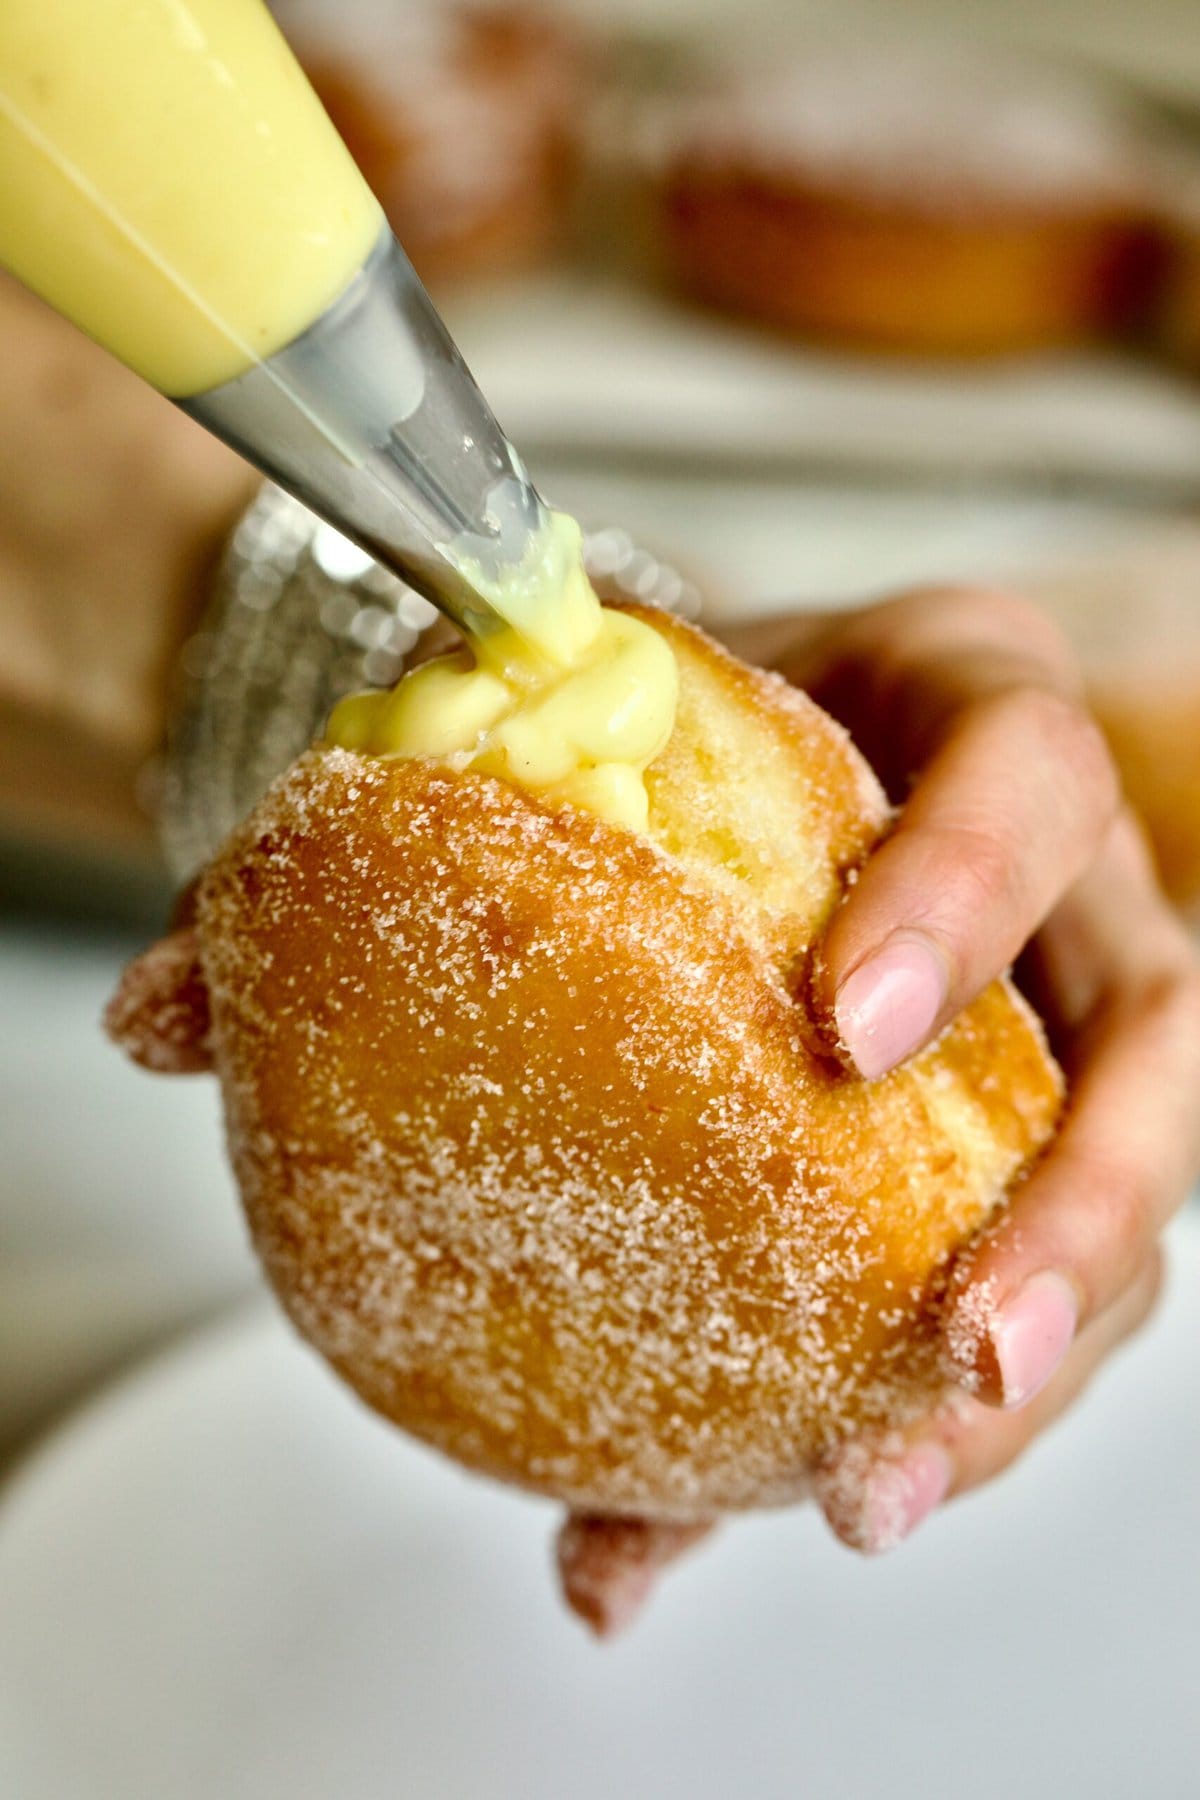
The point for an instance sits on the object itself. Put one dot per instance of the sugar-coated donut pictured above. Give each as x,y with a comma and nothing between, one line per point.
463,118
931,202
539,1138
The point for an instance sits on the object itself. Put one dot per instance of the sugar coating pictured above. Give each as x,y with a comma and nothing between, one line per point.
538,1138
969,1328
943,129
862,1492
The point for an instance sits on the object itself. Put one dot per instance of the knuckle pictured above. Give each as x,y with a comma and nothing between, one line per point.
1068,729
1168,1006
986,873
1061,731
1186,1004
996,616
956,648
982,879
1133,854
1088,753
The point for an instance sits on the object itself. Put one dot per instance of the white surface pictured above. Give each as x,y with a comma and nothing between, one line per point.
118,1218
227,1580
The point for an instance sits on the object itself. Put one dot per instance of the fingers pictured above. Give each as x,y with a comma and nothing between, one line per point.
159,1014
608,1566
1011,807
1124,977
897,674
875,1495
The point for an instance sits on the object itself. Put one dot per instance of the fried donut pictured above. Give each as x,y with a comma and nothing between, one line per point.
542,1140
930,203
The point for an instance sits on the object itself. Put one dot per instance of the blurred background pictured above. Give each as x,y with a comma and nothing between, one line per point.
792,304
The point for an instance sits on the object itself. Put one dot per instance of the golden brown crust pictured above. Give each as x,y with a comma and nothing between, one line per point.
159,1014
894,278
534,1137
464,120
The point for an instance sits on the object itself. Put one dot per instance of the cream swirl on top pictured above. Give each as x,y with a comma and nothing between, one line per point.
570,700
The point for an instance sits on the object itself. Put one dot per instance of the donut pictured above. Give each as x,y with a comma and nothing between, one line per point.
542,1139
932,203
463,120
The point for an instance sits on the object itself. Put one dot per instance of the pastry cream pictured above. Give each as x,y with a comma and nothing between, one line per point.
169,180
570,700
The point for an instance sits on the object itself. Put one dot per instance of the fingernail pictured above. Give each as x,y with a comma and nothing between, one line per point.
889,1005
1031,1333
899,1495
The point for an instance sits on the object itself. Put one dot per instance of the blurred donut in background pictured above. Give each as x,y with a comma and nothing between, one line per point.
932,201
463,119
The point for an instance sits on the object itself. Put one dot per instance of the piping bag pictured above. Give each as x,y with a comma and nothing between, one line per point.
373,420
169,180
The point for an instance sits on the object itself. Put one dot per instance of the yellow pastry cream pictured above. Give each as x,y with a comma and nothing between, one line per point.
570,700
169,180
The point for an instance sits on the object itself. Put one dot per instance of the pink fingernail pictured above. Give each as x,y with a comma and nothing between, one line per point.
1031,1333
899,1495
888,1007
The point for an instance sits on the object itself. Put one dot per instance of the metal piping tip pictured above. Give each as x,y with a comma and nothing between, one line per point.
373,420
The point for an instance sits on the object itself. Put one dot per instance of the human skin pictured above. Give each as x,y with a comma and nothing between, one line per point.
1014,843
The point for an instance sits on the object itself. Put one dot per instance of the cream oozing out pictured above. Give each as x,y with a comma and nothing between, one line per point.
570,700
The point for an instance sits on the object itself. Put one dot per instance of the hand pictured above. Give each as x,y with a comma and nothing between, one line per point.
1013,839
